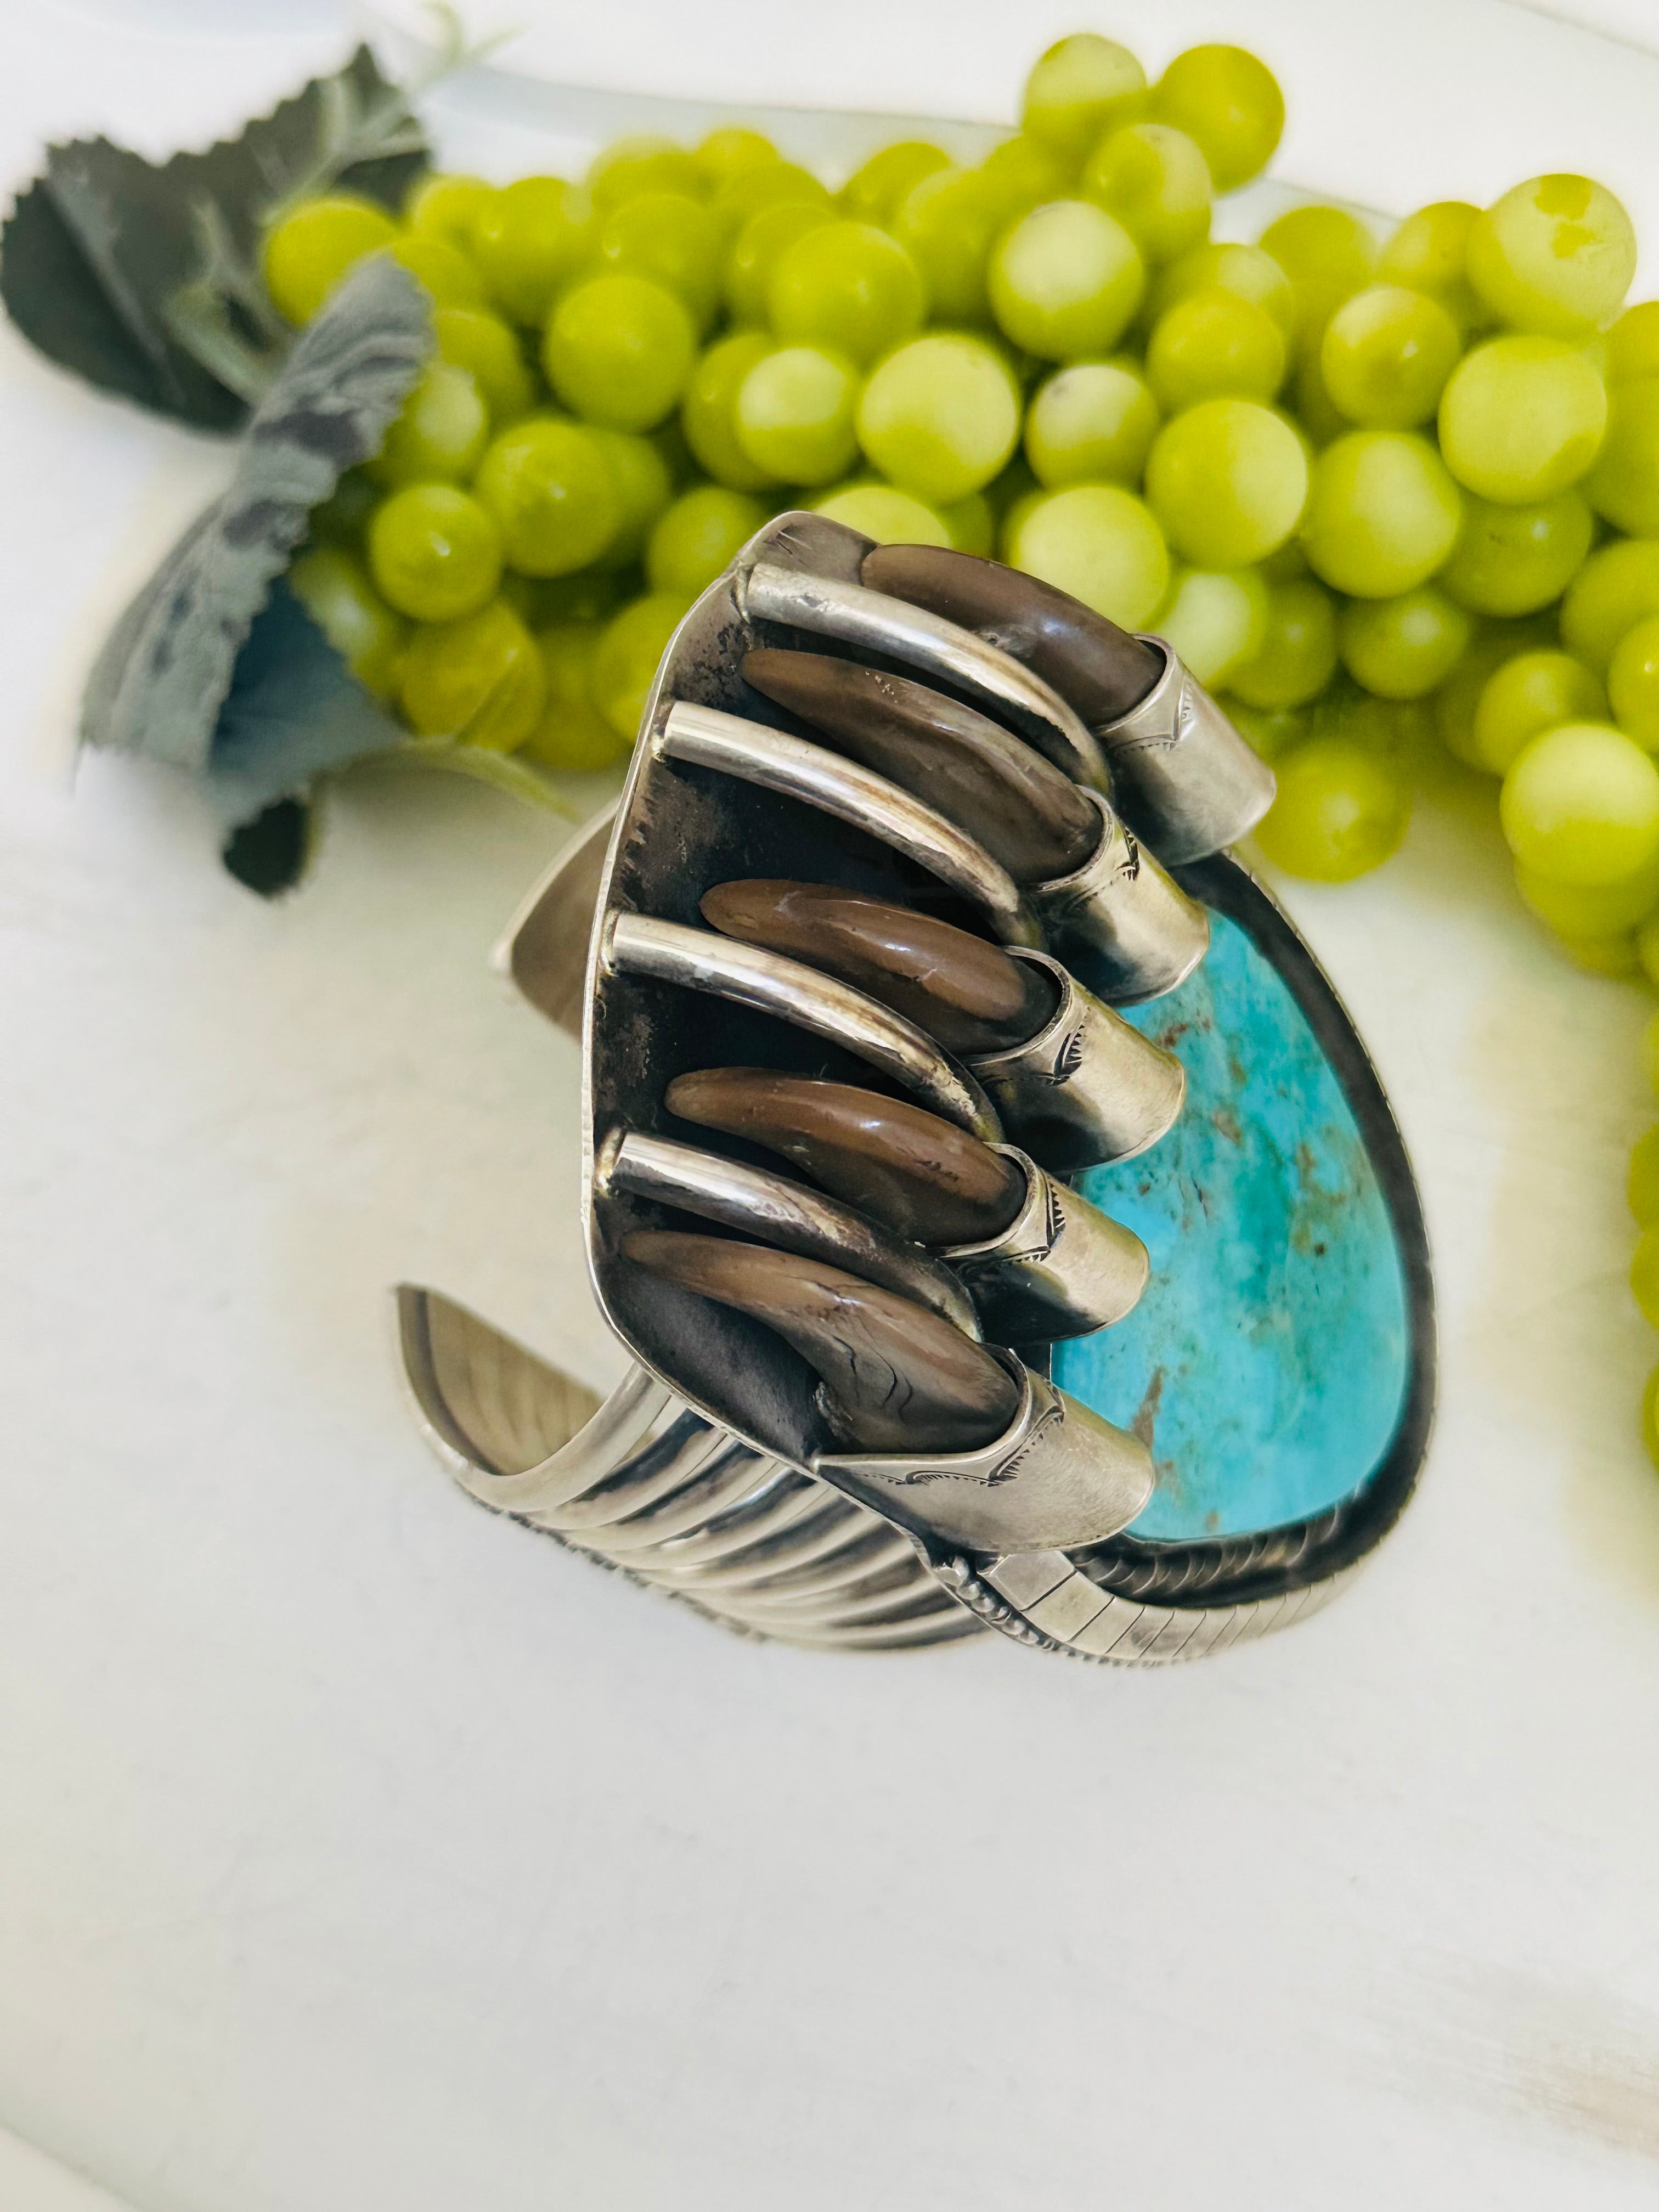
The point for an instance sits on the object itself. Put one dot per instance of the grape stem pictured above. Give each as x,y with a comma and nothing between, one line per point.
501,771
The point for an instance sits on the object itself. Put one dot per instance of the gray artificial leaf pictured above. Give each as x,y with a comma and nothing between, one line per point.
165,671
144,278
294,711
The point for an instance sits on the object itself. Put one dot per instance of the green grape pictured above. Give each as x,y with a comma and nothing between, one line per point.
1403,647
586,595
1633,343
1651,1050
1245,271
1153,178
1098,543
1522,417
478,680
1634,684
1328,255
643,485
1524,697
1297,656
1554,255
619,350
333,587
1231,103
1390,729
774,184
794,414
889,515
307,251
1315,413
551,489
675,240
696,538
709,416
1211,344
1642,1188
1617,587
732,150
1093,423
1644,1275
528,240
1429,254
941,416
439,431
642,163
1382,514
874,192
1386,354
343,516
1078,90
625,663
948,222
1650,1416
1228,480
1510,560
1289,565
1623,484
1455,703
759,247
448,275
1216,620
485,346
434,552
443,206
1585,913
1066,280
1340,811
1021,173
1615,958
572,734
1270,731
1581,805
971,523
847,286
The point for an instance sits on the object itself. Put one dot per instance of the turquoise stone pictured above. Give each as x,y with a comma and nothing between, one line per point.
1268,1361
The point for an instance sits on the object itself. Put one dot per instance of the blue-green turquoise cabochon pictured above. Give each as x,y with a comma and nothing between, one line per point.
1270,1362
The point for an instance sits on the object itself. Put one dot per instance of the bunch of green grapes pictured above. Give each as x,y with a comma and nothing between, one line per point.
1393,497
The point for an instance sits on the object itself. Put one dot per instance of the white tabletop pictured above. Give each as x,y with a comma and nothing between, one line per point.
358,1850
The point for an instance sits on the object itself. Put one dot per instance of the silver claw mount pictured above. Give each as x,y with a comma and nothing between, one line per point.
710,1471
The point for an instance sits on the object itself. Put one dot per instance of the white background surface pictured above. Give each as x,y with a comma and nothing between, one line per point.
358,1851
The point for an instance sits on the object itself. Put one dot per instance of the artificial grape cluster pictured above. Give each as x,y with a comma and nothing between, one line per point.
1389,496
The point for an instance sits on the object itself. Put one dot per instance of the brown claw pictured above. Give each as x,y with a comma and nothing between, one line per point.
915,1174
969,994
1001,791
895,1377
1098,668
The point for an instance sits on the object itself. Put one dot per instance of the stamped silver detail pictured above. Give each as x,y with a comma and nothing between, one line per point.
1060,1268
1121,919
1197,785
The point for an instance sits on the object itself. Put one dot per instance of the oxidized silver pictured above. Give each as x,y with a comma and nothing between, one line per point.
1060,1268
1088,1087
1197,785
1140,932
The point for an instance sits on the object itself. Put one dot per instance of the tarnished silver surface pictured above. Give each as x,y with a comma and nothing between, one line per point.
1131,929
1060,1268
894,628
702,960
800,769
1088,1086
781,1211
1197,785
709,1471
1058,1476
